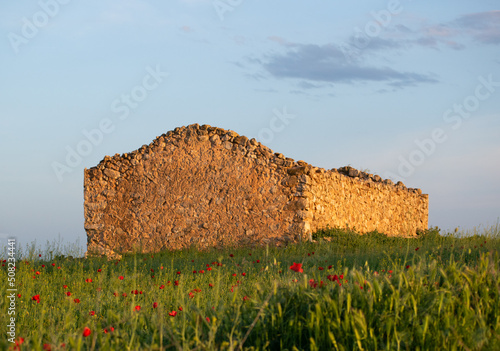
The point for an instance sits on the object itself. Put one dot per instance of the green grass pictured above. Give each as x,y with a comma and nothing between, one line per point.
433,292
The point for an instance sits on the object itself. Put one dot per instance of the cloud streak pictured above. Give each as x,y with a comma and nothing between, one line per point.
327,63
483,26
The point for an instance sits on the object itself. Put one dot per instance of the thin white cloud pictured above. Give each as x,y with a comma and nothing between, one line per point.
327,64
482,26
187,29
278,39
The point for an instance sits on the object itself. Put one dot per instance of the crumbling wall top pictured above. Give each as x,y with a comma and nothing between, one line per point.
232,139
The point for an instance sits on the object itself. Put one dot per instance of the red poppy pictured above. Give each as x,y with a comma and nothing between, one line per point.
99,270
68,293
162,286
297,267
53,264
92,313
86,332
231,255
137,308
333,278
176,283
76,300
36,298
243,274
121,277
172,314
155,304
47,347
180,308
320,268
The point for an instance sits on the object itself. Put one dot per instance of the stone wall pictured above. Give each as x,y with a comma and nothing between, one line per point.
208,187
348,198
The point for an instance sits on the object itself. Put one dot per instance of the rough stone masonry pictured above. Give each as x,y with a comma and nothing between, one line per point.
208,187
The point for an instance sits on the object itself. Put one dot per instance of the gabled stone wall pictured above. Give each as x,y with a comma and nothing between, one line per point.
208,187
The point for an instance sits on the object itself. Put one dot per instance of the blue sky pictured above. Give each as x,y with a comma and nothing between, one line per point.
409,90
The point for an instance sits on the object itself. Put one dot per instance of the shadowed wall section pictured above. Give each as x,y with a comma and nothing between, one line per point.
209,187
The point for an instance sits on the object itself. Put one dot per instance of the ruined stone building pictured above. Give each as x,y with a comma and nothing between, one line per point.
210,187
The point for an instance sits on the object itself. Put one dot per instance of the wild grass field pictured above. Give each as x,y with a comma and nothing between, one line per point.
437,291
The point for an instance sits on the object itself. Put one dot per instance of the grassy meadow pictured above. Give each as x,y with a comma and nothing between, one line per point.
343,292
